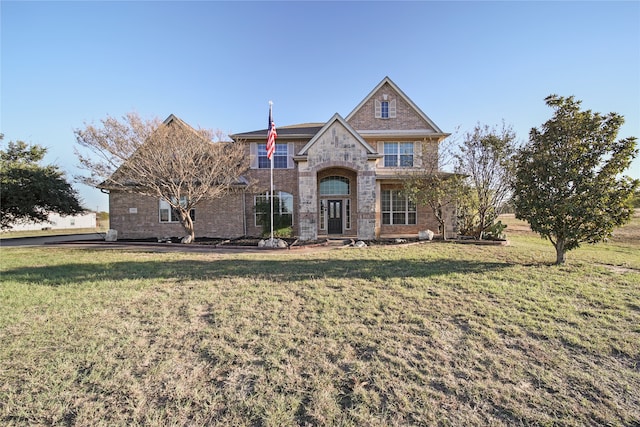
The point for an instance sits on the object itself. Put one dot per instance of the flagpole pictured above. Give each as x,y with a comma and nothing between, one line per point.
271,187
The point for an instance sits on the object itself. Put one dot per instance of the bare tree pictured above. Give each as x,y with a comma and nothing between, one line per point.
486,157
433,186
168,160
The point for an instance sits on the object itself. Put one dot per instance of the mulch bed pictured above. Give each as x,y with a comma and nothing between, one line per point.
248,241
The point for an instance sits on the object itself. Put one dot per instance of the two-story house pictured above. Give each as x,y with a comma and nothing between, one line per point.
338,178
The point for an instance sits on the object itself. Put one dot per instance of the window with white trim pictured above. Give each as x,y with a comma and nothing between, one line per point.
385,109
282,206
398,154
397,209
279,157
168,214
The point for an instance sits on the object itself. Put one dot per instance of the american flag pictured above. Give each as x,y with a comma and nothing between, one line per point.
271,137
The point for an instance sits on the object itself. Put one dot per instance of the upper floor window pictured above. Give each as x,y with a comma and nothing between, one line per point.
398,154
279,157
168,214
334,186
384,112
385,109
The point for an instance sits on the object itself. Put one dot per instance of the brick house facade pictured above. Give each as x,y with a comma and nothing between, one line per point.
338,178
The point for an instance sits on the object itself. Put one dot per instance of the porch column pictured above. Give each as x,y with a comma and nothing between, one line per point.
308,205
378,210
366,204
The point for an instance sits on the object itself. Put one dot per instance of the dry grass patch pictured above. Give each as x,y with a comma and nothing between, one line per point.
432,334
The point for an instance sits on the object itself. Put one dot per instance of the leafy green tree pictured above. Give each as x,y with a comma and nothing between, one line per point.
30,191
568,182
486,157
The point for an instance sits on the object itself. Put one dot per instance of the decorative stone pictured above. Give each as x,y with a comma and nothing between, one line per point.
425,235
186,239
401,241
273,243
111,236
360,244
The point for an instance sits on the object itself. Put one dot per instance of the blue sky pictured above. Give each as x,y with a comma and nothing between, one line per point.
217,64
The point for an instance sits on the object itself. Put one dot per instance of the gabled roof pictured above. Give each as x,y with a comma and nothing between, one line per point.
408,100
336,118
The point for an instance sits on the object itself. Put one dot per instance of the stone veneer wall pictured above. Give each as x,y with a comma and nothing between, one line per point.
336,148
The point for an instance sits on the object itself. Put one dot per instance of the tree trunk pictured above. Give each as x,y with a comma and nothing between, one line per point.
187,224
444,230
481,226
439,214
561,253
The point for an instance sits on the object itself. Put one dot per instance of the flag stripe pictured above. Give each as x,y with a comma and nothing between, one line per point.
271,137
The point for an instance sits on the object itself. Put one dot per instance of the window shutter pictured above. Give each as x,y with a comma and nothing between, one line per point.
418,152
392,109
253,155
380,162
378,109
290,152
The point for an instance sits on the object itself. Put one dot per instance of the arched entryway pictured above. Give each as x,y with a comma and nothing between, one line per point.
337,202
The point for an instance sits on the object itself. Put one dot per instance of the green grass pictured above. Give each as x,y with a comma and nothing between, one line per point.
430,334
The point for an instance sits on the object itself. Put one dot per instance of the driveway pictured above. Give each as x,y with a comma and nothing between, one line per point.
45,240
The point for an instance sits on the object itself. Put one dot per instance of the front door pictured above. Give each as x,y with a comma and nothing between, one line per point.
334,225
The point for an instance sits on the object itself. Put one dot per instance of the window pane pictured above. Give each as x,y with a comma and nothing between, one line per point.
282,207
406,148
386,200
164,215
279,157
287,202
334,185
279,162
391,148
347,213
406,161
263,162
386,218
398,217
390,161
411,218
390,154
399,202
385,109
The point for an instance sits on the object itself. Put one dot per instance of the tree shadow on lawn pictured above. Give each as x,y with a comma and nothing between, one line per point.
272,270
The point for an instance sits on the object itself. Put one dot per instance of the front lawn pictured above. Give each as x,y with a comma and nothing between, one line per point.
427,334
